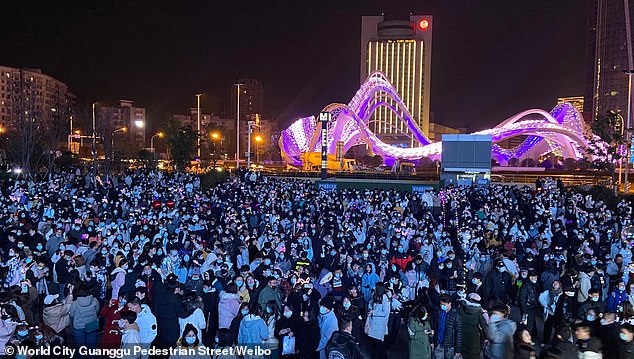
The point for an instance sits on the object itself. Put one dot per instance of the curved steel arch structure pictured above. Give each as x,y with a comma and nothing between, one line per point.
561,130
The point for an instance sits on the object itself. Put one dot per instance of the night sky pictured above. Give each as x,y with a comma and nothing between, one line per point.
490,58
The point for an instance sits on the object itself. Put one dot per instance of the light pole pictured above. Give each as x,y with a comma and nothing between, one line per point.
628,129
258,139
238,127
250,126
94,148
214,136
198,121
122,129
160,134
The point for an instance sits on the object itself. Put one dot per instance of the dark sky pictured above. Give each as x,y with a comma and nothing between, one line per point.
490,58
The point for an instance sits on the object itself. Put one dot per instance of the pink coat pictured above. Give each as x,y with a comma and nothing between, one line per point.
228,308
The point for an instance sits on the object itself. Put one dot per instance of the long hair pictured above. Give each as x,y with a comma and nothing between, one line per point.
379,291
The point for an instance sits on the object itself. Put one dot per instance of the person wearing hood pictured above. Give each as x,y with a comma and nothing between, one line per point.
129,334
420,333
474,324
83,311
167,305
342,344
368,282
146,322
500,334
253,331
327,323
117,277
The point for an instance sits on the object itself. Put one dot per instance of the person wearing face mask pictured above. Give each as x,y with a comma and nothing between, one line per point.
369,279
419,333
593,302
190,345
146,322
500,334
531,310
117,276
287,326
130,338
401,258
626,347
327,323
448,330
616,297
271,292
498,283
253,330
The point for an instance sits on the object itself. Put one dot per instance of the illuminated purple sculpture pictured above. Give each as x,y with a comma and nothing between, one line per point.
561,131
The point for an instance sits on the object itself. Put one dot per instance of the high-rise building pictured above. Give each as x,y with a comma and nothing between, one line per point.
607,57
114,118
400,47
191,120
251,98
29,92
576,101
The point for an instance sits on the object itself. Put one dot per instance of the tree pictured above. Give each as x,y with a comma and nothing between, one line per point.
513,162
605,152
181,141
571,164
376,161
528,162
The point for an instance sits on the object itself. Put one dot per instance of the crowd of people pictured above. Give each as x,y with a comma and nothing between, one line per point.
149,259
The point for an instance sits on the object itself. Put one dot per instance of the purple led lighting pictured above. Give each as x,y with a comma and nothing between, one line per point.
561,130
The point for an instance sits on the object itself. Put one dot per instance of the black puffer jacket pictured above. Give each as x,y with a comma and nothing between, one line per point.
345,344
453,329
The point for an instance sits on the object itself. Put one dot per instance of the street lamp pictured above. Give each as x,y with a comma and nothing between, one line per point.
238,126
258,139
198,126
214,136
160,134
250,126
122,129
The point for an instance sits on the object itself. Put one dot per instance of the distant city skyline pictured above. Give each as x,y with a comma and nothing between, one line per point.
160,54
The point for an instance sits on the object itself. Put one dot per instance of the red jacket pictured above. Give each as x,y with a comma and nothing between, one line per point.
111,333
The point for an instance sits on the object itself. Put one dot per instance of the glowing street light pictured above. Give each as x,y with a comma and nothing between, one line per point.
258,139
122,129
160,134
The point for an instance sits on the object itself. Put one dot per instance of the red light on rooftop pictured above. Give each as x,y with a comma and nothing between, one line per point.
423,24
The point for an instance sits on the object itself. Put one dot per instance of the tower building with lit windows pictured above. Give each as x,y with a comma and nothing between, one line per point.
399,47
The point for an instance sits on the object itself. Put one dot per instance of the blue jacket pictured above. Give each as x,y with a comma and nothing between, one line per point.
615,298
253,331
368,282
327,325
